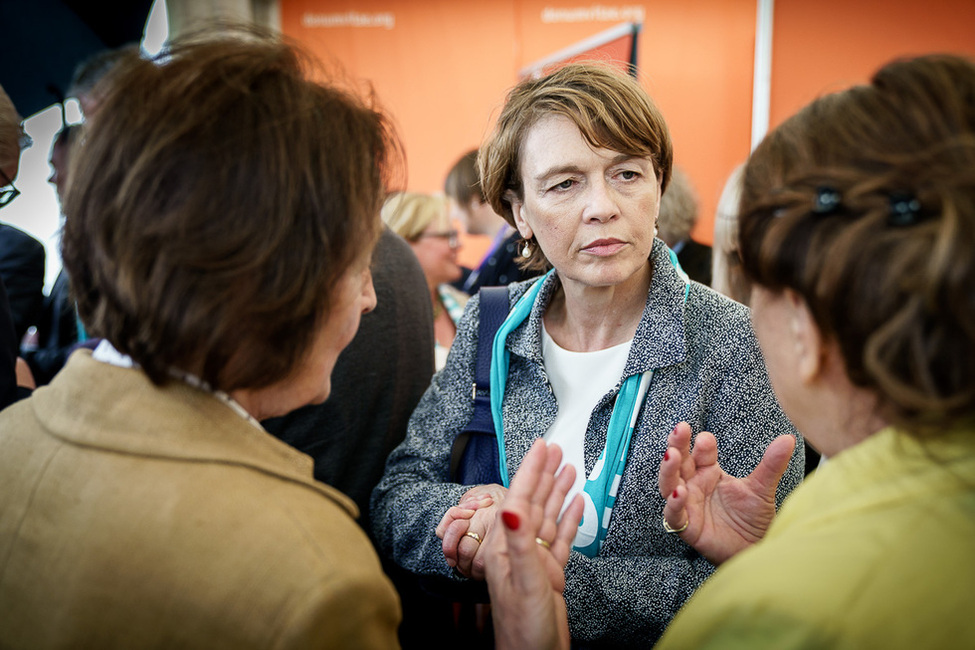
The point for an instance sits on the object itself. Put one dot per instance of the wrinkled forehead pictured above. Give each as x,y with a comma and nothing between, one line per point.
547,142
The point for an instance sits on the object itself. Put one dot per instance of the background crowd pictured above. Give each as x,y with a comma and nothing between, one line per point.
235,419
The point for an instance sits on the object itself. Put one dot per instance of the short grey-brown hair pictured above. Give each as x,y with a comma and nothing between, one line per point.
610,108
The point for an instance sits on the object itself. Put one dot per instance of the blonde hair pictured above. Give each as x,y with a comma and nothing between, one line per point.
408,214
727,276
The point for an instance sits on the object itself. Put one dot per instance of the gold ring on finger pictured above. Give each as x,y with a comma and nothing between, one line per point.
668,529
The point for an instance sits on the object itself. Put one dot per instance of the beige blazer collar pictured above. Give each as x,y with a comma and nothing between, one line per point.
94,404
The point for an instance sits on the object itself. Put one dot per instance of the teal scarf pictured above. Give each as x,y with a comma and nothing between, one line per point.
604,480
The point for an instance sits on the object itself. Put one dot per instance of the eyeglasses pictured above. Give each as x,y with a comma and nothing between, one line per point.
7,191
451,236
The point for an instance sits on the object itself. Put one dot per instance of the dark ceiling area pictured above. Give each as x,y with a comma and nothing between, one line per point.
41,42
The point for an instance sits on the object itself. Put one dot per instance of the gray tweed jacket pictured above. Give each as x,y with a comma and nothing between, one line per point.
708,371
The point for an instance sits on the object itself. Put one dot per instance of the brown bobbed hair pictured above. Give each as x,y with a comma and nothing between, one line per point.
895,294
218,196
611,110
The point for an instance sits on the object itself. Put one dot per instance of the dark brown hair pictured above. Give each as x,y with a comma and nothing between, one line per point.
463,184
217,197
611,110
864,204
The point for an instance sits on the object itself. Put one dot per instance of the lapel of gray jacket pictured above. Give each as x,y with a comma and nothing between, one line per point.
660,341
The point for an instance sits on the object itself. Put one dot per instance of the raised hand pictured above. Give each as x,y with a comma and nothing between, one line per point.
524,558
716,513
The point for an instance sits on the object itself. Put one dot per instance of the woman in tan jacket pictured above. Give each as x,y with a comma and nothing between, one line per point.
220,222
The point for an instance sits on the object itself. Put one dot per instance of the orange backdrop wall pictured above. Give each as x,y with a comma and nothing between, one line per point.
442,67
826,45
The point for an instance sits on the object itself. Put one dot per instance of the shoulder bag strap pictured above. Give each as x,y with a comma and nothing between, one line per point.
494,309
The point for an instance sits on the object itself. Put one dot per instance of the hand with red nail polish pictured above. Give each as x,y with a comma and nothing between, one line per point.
525,578
511,520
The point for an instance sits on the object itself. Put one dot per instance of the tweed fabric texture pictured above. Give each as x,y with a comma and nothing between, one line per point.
708,371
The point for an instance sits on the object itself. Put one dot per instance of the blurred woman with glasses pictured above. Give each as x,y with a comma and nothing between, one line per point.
424,221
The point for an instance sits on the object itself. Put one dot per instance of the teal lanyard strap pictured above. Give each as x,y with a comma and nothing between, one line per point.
603,482
499,373
680,271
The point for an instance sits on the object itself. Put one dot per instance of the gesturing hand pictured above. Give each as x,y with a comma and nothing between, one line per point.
722,514
525,556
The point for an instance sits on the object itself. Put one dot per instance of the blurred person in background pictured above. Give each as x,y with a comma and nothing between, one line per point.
22,257
727,276
500,265
424,222
678,216
16,380
59,329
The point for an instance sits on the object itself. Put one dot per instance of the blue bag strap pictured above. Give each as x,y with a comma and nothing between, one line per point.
494,309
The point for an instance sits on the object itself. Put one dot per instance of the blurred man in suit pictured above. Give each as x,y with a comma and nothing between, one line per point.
21,256
21,264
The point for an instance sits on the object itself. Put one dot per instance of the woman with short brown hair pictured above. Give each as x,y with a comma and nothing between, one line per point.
858,234
604,355
221,214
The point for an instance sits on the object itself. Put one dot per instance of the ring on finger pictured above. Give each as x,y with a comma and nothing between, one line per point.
668,529
541,542
473,535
